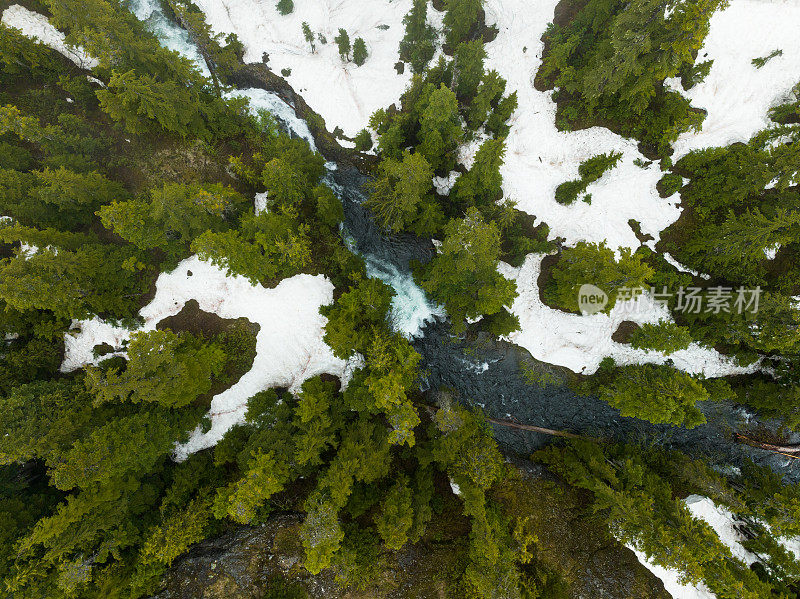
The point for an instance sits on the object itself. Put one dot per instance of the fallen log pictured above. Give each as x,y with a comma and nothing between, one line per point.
792,451
536,429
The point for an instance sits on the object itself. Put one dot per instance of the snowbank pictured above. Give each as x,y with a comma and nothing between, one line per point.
289,346
37,26
736,94
343,93
580,342
671,580
539,158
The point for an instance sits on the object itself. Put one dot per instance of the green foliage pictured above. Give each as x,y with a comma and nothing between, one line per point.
285,7
363,141
463,275
665,337
263,477
268,246
359,51
459,18
309,35
401,196
482,184
655,393
594,264
71,275
440,129
419,42
469,57
355,317
609,63
670,184
343,43
164,368
632,493
396,516
173,216
590,171
762,60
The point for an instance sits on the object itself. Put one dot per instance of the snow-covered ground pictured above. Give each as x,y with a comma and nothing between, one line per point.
580,342
539,158
736,94
37,26
343,93
289,346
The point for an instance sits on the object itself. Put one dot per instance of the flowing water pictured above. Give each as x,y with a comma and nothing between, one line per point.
485,373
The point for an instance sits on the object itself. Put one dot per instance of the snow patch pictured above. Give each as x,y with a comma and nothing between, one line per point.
580,342
341,92
36,25
289,345
736,94
672,580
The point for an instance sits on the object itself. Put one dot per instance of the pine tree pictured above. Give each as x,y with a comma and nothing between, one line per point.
285,7
396,517
594,264
164,368
359,51
343,43
655,393
309,35
482,184
440,129
463,275
400,194
461,15
469,57
419,42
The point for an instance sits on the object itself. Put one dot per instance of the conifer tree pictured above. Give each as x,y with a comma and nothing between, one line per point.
655,393
594,264
359,51
164,368
461,15
463,275
481,185
401,197
309,35
440,129
419,42
343,43
469,57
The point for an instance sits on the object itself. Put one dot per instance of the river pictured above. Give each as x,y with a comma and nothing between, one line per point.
480,371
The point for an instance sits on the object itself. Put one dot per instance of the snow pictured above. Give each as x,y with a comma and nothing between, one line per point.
289,345
443,185
260,202
37,26
341,92
671,580
724,524
539,158
772,251
736,94
580,342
